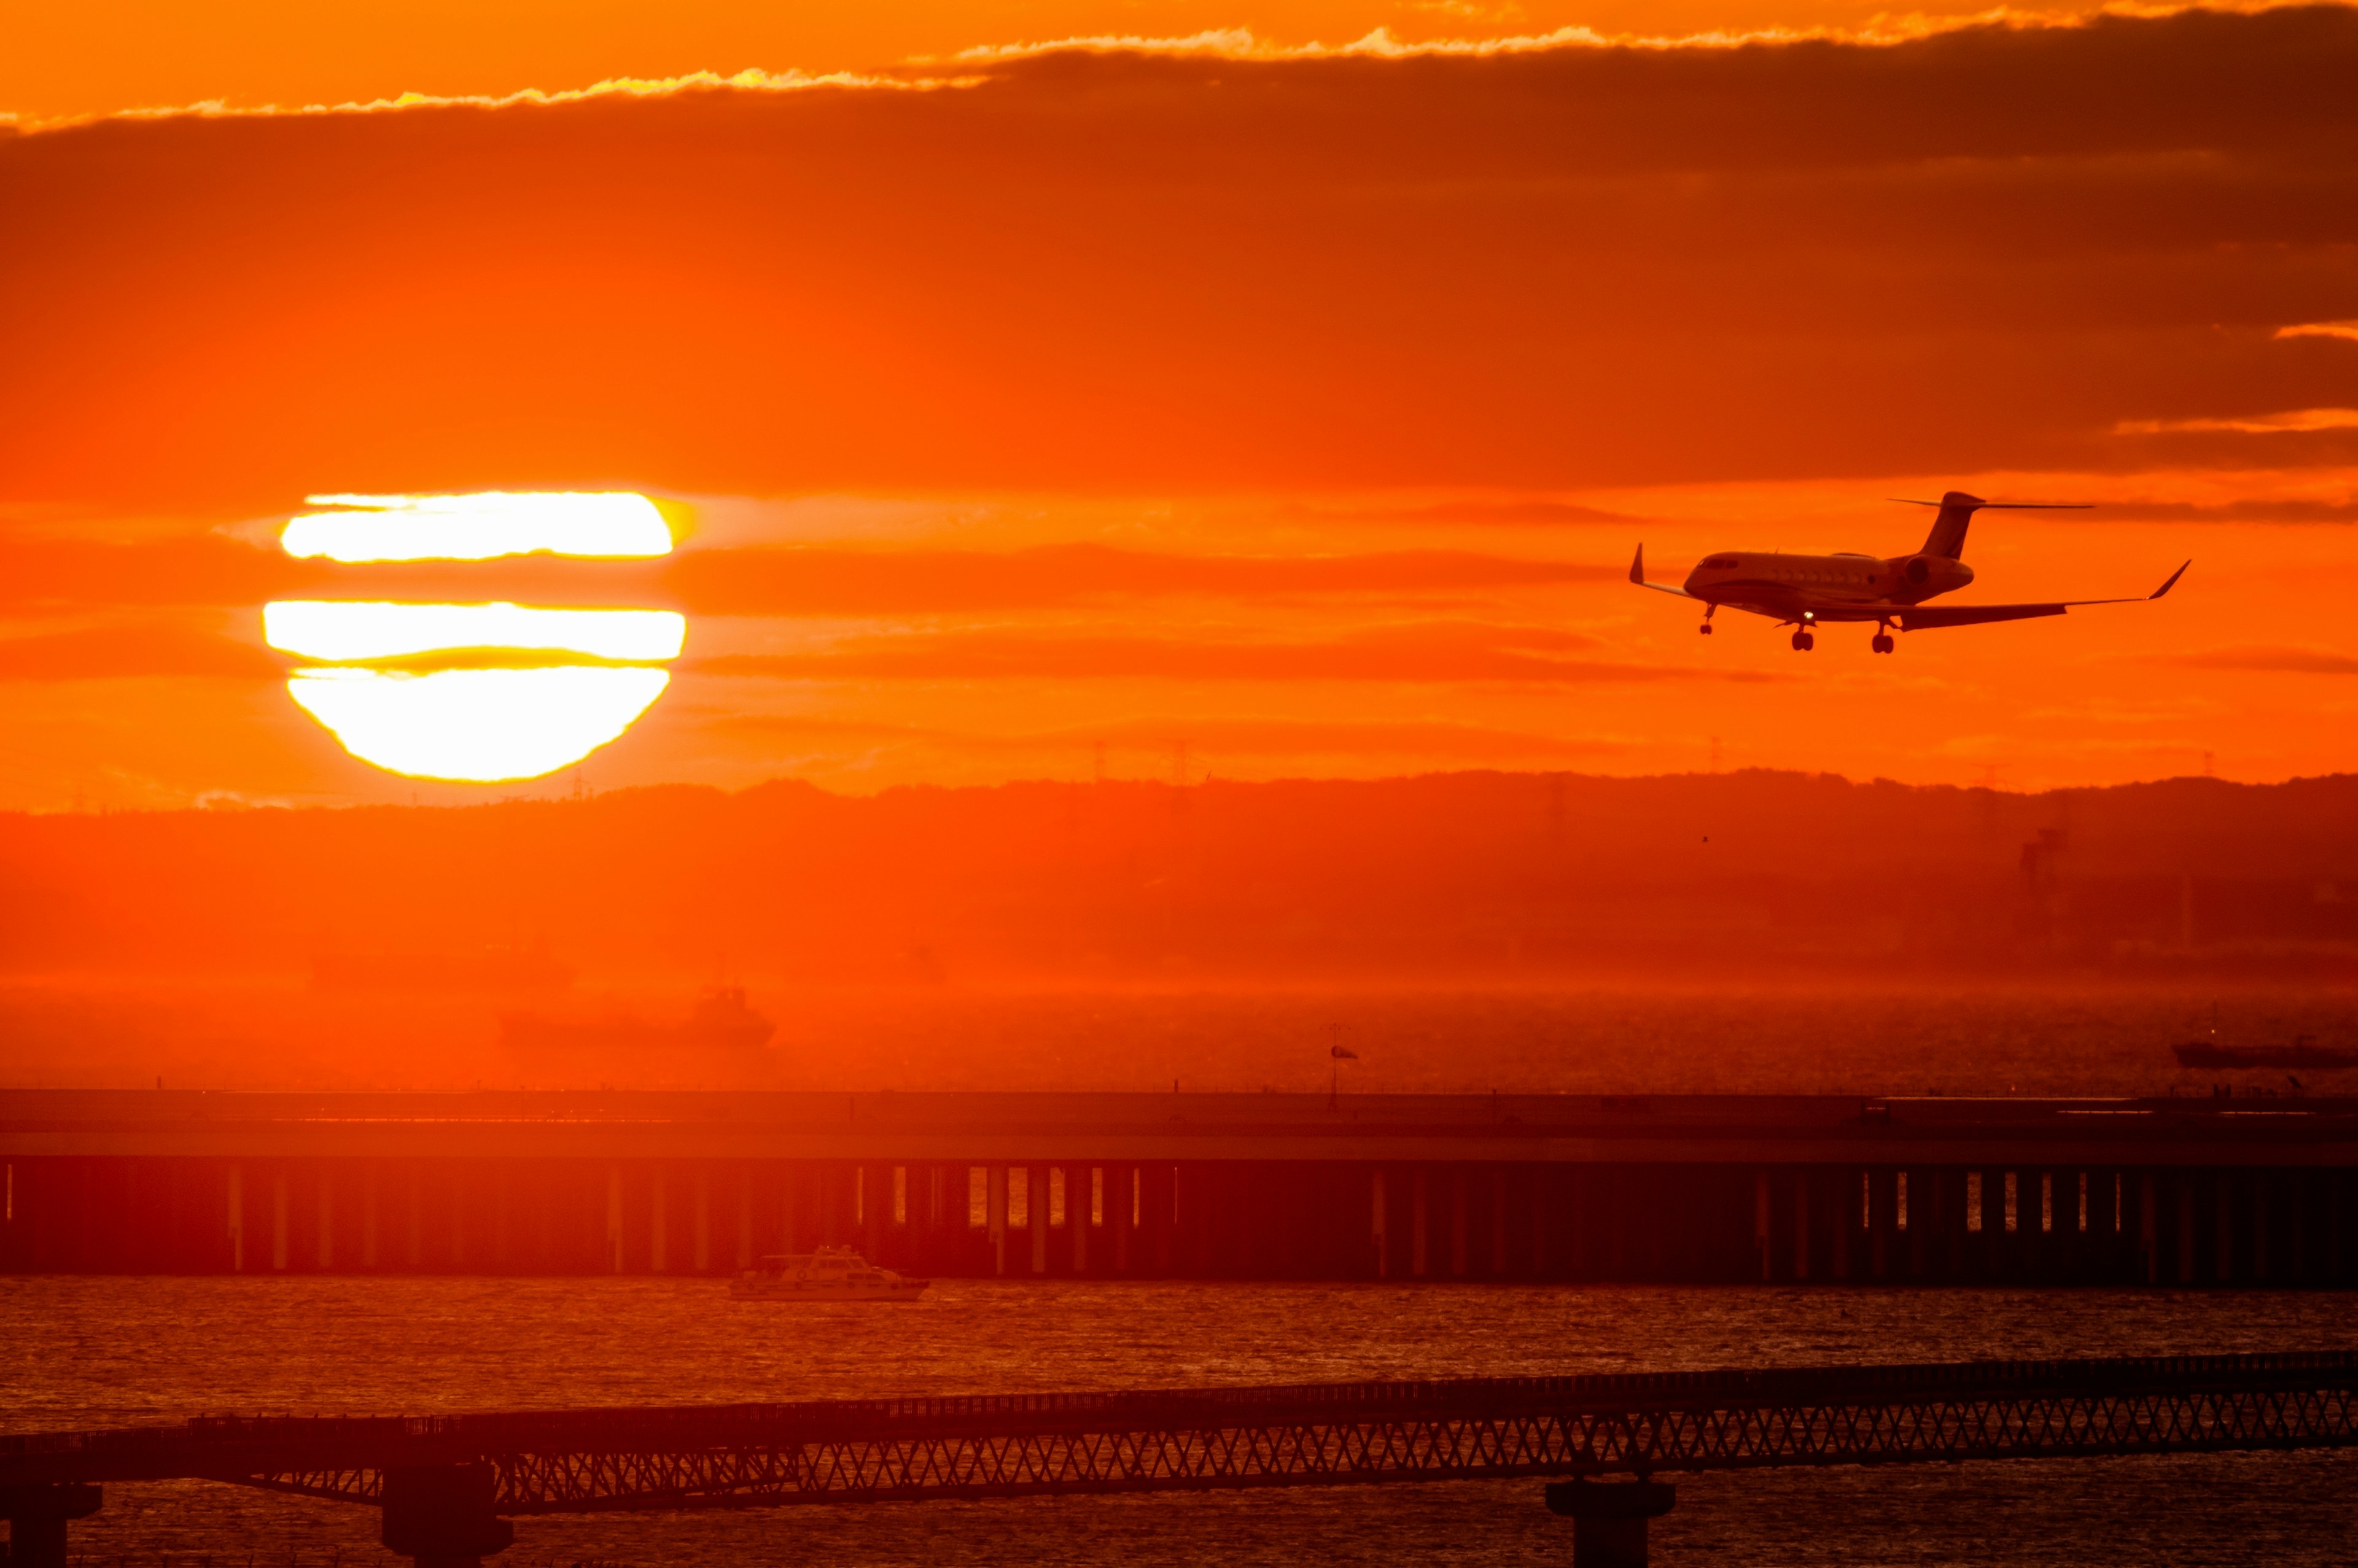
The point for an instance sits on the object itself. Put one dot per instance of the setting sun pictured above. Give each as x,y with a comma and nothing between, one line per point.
480,725
478,527
482,692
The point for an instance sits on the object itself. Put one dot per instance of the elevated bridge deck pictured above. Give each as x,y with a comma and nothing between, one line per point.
1790,1188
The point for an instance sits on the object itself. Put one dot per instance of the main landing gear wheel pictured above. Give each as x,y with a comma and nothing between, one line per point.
1803,641
1883,642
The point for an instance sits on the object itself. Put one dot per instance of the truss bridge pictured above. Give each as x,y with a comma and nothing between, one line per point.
450,1483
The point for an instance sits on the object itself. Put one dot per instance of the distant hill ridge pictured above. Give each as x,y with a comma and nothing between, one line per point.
1441,874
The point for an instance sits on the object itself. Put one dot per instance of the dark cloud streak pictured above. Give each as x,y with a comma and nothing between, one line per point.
1578,267
132,652
64,577
1434,653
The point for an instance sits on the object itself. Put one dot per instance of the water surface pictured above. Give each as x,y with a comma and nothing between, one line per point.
84,1351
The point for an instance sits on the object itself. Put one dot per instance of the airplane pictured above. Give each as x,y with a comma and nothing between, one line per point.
1800,592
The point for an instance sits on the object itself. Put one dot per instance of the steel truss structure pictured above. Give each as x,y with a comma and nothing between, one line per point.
1026,1446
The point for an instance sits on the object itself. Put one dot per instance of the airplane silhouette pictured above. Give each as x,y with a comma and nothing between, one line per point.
1802,591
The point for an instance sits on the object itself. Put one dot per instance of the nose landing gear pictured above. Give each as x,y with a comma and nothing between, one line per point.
1705,627
1883,642
1803,641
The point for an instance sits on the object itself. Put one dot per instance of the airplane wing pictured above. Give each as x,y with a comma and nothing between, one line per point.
1925,617
1638,575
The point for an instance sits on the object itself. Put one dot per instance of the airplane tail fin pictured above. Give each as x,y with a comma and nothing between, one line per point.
1956,514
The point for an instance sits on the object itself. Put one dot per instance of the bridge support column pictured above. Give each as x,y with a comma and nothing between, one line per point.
996,1211
1035,1215
37,1519
440,1515
1608,1519
1416,1219
236,1219
1763,1233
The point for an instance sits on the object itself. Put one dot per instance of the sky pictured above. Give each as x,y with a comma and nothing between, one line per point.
63,63
1196,400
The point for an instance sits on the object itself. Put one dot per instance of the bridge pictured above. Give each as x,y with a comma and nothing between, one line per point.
2229,1190
448,1485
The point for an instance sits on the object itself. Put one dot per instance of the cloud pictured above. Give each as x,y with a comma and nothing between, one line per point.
2256,509
2271,661
967,66
825,582
1430,652
2320,329
1507,512
63,575
56,577
1547,269
113,654
2298,421
1208,739
748,81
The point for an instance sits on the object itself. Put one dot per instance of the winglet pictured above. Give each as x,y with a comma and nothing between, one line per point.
1637,569
2165,587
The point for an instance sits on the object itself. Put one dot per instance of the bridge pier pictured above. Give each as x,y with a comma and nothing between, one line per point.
1608,1519
440,1515
37,1519
1970,1194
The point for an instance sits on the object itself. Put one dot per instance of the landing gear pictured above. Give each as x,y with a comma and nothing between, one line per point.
1883,642
1803,641
1705,627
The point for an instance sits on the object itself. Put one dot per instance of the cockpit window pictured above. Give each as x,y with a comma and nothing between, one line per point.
1717,562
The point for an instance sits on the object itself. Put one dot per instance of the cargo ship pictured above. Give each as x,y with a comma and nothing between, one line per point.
2303,1054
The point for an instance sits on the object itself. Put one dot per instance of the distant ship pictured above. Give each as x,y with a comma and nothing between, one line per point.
2304,1051
829,1274
719,1021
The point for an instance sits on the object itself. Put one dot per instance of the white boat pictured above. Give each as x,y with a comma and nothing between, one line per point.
829,1274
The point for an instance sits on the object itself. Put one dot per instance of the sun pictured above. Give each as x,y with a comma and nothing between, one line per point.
480,726
481,693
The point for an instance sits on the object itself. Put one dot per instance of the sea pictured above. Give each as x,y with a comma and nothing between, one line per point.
77,1352
84,1351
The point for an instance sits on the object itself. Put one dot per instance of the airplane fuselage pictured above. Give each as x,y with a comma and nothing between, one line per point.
1890,591
1823,588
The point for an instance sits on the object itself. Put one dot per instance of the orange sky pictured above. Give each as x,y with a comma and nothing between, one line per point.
1303,409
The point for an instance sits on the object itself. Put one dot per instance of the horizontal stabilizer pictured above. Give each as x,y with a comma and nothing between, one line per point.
1957,513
